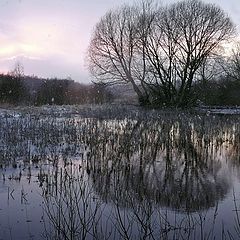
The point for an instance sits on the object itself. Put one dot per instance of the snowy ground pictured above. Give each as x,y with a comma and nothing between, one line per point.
103,110
219,110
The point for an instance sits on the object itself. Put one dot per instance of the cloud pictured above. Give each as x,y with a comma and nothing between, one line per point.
21,57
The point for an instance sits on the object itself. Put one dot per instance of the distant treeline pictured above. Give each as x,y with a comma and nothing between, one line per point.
31,90
37,91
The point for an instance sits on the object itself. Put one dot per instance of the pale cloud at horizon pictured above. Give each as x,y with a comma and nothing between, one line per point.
50,38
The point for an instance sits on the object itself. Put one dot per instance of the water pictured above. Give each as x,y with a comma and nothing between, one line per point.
119,174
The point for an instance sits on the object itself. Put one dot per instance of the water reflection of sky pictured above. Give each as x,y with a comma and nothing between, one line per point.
21,218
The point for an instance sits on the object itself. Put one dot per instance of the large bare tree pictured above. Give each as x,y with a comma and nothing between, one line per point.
158,51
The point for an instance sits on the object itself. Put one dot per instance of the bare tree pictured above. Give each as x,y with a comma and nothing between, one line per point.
18,70
117,51
184,36
233,64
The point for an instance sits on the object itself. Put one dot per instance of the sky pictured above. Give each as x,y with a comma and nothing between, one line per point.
50,37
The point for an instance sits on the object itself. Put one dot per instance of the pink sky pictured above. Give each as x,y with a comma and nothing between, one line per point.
50,37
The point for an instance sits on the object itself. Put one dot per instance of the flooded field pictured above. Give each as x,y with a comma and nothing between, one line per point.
118,173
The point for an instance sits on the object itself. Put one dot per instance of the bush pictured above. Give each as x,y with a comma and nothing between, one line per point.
12,89
223,92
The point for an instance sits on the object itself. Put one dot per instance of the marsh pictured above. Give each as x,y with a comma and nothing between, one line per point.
117,172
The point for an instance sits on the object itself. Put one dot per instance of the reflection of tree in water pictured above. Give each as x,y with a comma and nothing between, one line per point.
139,166
174,163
